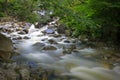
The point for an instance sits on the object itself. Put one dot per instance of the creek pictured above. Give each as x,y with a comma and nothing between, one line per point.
66,56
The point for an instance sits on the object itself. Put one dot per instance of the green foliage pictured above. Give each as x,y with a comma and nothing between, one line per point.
21,9
97,19
106,14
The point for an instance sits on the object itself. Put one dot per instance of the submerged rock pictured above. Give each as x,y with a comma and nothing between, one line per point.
38,45
49,48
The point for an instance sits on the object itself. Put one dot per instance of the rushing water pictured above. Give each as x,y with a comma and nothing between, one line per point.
81,63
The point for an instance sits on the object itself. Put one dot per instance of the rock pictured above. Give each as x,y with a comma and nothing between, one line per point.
21,32
26,31
5,43
49,31
8,74
69,47
44,39
5,55
2,75
11,74
67,51
26,37
38,45
51,41
61,29
17,38
68,32
49,48
66,41
6,47
57,35
25,74
74,41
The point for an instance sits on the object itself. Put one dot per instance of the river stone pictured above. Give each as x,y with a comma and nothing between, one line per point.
61,29
25,30
11,74
5,43
25,74
17,38
6,47
51,41
66,41
49,31
38,45
49,48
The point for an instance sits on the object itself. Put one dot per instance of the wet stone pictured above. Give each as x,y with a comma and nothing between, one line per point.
51,41
26,31
38,45
26,37
66,41
57,35
17,38
49,48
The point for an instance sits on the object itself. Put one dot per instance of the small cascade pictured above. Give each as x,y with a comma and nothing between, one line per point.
31,29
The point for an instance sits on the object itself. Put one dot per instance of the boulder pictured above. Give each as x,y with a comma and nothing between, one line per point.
5,43
61,29
49,48
38,45
6,47
51,41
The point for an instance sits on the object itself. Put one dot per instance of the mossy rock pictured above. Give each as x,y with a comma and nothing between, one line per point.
6,47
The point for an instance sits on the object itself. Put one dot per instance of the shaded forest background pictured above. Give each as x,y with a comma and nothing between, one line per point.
97,20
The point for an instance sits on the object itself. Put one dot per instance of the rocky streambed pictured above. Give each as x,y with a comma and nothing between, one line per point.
46,53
